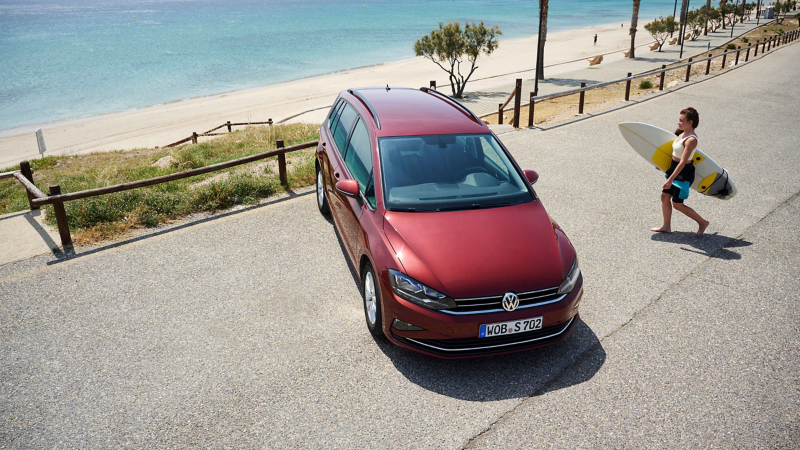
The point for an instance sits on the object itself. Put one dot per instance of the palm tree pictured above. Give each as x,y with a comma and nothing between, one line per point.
708,8
543,6
682,19
634,21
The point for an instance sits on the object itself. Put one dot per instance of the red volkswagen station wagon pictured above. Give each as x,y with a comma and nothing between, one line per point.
456,254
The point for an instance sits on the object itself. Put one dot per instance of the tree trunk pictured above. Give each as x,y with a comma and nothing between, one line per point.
544,6
708,8
634,22
682,19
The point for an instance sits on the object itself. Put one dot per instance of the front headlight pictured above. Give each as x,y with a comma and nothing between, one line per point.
569,282
412,290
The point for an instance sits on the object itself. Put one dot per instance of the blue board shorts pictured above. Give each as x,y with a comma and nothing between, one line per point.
686,175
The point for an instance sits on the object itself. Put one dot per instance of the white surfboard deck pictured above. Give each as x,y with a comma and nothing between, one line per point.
655,146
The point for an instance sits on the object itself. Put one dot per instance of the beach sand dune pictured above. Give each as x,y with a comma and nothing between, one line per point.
160,125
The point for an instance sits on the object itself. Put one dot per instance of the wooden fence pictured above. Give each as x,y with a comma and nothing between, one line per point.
766,46
211,132
37,198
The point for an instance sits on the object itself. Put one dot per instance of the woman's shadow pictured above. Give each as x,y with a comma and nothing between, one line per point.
712,245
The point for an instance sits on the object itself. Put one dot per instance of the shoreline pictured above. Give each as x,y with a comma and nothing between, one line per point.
145,126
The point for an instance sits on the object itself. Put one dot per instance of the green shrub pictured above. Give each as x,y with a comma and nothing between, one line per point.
745,40
730,47
645,84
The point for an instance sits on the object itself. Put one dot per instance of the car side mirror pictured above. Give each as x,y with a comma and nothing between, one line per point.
348,188
531,175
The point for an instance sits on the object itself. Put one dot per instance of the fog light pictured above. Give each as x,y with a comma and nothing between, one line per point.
405,326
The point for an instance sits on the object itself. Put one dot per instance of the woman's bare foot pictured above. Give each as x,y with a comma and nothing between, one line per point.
664,229
702,228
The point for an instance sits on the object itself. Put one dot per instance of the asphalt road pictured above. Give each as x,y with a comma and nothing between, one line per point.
247,331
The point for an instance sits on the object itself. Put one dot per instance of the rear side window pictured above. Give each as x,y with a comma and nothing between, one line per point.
359,156
335,115
343,126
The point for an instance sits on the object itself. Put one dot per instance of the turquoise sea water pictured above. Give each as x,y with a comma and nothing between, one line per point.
63,59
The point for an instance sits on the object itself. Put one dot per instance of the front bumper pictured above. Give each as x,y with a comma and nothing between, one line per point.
456,336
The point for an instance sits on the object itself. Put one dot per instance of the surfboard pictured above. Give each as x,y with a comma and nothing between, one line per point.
655,146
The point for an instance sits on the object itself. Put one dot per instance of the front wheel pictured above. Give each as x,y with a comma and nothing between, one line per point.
372,301
322,201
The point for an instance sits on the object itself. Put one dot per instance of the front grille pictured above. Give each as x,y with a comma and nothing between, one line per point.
482,346
483,305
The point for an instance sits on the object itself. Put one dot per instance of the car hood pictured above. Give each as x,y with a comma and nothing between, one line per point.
482,252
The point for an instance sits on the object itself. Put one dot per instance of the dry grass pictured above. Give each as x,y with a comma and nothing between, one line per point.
98,218
562,108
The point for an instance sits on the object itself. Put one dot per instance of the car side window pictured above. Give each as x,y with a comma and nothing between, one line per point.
359,160
335,115
345,123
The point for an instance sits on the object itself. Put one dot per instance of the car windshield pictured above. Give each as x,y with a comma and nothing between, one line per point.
448,172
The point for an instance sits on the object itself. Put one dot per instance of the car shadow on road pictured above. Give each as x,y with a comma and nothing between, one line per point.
712,245
502,377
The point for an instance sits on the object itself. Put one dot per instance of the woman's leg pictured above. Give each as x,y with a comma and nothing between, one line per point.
703,223
666,210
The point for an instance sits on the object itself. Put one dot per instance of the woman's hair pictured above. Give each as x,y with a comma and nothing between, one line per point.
692,116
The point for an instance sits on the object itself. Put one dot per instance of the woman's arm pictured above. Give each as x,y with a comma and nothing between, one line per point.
688,147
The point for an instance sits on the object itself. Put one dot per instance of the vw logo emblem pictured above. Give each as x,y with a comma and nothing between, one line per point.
510,301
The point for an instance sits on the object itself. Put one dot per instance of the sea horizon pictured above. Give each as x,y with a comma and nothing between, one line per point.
95,79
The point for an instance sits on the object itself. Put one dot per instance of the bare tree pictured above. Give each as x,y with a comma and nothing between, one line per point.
634,22
708,8
543,6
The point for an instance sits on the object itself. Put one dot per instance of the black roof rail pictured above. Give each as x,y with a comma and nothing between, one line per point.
468,111
369,107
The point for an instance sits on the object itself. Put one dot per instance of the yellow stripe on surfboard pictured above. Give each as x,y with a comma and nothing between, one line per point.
698,158
662,157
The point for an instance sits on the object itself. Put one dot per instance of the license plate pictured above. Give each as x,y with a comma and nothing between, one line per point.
515,326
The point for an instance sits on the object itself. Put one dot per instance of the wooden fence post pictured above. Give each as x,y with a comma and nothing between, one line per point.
499,113
747,54
708,65
282,164
194,137
764,45
583,96
738,49
25,168
661,86
688,70
517,101
229,126
269,121
61,217
755,52
530,109
628,87
433,84
724,56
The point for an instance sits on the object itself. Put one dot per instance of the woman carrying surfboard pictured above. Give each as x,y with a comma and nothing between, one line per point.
681,173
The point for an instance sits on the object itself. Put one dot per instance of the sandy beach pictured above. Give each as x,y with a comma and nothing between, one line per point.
160,125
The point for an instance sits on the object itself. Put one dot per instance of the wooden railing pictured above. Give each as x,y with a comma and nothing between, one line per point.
37,198
766,45
210,132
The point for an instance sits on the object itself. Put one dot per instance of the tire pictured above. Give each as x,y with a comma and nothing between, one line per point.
322,199
371,294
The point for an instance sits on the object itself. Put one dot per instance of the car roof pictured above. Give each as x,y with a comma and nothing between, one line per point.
414,112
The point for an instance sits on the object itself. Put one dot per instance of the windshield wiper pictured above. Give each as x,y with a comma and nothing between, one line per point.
408,210
473,206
